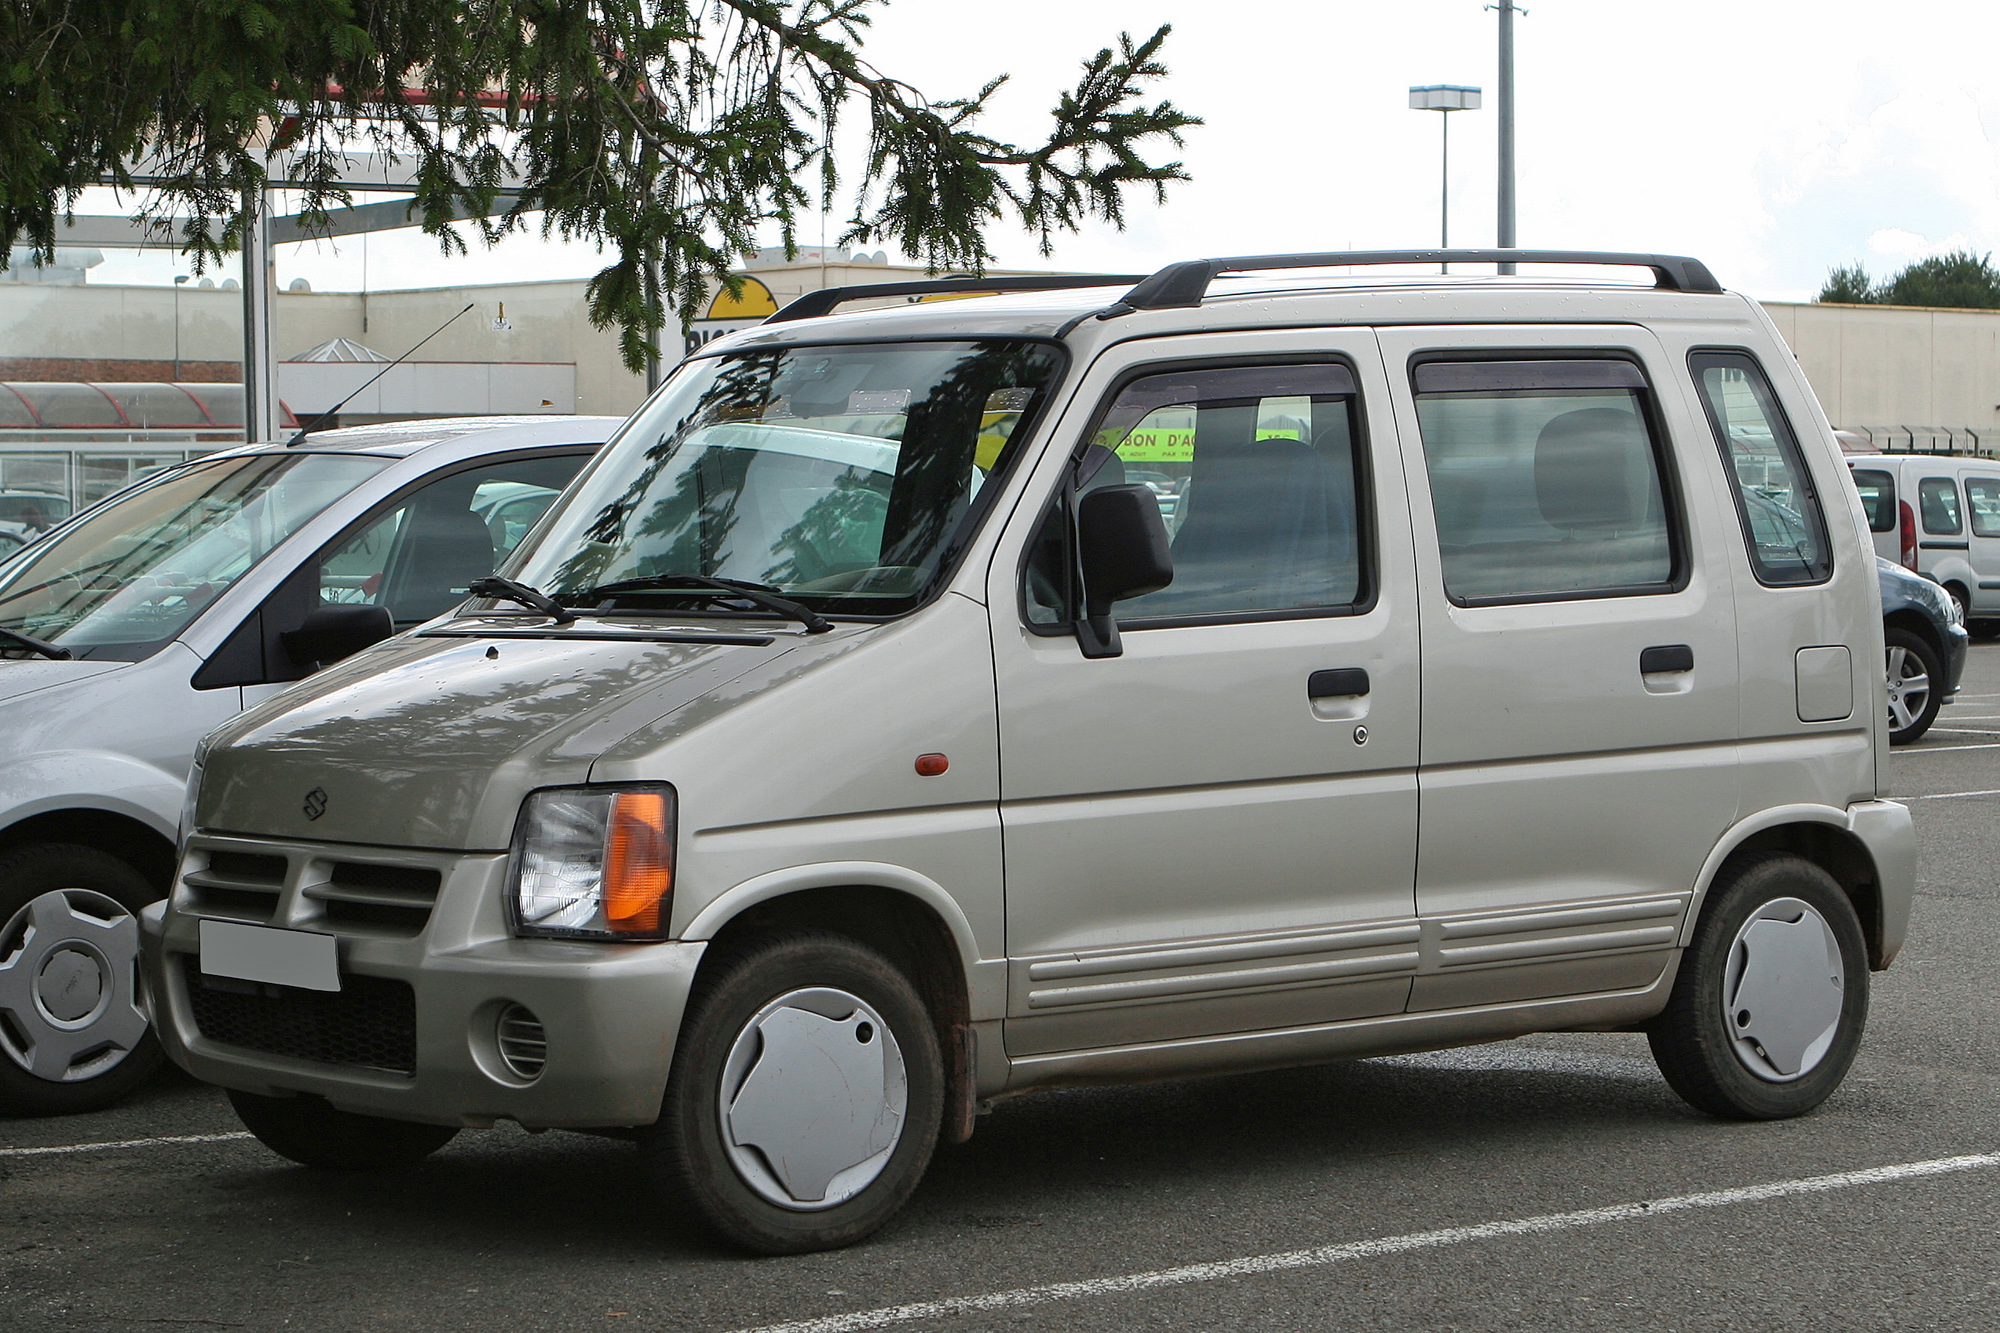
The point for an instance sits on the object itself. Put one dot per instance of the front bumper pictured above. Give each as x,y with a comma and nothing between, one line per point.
1957,644
610,1011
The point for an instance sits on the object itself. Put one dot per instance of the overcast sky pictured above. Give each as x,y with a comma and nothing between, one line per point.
1771,138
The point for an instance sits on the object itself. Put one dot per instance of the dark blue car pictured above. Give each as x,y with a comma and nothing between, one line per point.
1926,643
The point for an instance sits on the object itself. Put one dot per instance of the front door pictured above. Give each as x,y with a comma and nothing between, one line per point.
1215,831
1579,666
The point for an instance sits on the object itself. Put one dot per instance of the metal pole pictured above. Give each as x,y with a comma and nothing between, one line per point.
1444,187
260,371
1505,237
178,280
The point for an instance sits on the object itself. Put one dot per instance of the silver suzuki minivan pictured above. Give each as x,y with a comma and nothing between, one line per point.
856,744
136,627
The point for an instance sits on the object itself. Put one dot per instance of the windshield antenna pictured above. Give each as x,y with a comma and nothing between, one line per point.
303,430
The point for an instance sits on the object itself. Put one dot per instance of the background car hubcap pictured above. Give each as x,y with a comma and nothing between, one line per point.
1783,990
69,986
813,1098
1909,688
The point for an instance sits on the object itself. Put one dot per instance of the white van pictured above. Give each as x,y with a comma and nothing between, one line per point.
1939,514
855,744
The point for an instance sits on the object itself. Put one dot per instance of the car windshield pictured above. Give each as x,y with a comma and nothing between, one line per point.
840,477
133,572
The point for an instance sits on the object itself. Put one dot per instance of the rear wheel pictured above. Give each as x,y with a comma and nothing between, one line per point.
313,1133
805,1097
1772,994
72,1035
1916,676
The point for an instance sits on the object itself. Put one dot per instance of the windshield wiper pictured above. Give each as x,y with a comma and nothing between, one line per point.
506,590
49,650
715,590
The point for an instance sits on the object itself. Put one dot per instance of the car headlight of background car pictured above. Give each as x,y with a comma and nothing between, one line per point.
594,863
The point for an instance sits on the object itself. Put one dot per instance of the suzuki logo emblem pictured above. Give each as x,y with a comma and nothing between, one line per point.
315,805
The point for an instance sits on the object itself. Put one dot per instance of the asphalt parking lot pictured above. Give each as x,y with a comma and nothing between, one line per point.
1478,1189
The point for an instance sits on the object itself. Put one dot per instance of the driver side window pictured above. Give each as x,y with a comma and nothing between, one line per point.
1257,473
418,558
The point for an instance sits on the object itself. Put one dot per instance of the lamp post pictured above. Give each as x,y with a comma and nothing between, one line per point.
179,278
1445,98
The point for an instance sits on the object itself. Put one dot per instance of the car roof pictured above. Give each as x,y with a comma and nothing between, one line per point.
401,439
1244,306
1254,299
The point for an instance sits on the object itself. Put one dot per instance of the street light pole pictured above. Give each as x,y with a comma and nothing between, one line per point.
179,278
1444,98
1504,232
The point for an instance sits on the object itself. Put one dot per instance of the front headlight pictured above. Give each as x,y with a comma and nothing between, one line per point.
595,863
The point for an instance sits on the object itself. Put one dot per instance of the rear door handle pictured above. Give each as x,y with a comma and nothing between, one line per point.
1336,683
1666,657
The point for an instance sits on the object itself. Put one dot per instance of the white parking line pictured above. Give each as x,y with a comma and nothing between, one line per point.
1947,749
1964,731
66,1148
1952,795
1370,1249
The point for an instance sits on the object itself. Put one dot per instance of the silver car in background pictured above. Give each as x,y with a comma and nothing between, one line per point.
130,631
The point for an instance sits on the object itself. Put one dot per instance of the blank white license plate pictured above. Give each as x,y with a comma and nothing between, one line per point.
277,957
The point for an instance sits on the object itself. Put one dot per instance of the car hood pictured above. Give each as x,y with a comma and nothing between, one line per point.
29,675
432,741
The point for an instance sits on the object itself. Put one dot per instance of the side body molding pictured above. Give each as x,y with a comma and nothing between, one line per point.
986,979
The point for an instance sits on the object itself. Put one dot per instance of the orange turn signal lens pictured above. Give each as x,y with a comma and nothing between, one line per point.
639,863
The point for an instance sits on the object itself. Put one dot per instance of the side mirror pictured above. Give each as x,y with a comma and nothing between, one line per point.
333,632
1122,552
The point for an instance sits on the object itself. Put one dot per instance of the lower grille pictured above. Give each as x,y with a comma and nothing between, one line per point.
369,1021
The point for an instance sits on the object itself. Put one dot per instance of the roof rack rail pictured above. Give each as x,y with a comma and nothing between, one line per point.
819,303
1184,284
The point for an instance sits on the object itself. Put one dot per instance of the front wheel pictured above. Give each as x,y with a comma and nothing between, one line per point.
1916,677
805,1097
72,1036
313,1133
1772,994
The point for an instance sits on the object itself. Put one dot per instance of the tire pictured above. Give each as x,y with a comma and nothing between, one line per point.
1916,680
1778,1060
1960,596
777,1183
72,1034
313,1133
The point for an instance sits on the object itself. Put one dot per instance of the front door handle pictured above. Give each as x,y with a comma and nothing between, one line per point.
1336,683
1666,657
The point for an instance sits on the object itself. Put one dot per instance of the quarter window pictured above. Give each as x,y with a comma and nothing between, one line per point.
1878,498
1257,473
1937,497
1545,479
1982,498
1774,493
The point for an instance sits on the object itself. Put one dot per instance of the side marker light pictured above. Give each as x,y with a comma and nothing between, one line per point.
930,765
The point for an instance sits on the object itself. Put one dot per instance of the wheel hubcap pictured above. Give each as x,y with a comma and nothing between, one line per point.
1909,688
69,986
813,1098
1783,989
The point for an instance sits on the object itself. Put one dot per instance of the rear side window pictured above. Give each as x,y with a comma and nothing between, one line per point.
1258,475
1774,492
1546,479
1937,497
1878,498
1982,498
